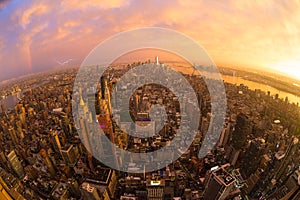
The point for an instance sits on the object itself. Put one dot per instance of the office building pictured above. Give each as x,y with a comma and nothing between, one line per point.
89,192
69,154
218,185
155,189
239,135
48,162
15,164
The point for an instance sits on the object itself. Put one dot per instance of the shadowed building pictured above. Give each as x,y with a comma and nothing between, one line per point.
48,162
218,185
253,157
239,136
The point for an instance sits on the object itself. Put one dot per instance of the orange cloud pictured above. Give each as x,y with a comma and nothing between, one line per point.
103,4
33,11
72,23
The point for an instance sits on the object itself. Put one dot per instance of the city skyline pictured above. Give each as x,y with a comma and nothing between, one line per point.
149,100
47,152
39,36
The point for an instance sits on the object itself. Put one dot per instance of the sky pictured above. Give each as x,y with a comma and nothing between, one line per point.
40,35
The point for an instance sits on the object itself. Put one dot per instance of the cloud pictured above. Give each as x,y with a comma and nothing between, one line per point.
26,37
104,4
3,4
240,33
35,11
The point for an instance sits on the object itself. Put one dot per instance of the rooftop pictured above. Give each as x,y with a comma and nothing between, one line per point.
224,177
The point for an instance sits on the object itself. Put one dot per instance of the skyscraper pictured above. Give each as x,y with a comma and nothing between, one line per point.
55,141
69,155
89,192
13,135
4,195
239,136
102,82
253,157
155,189
15,164
48,162
3,109
3,160
290,188
218,185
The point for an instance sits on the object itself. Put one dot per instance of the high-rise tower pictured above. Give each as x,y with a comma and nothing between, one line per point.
218,185
48,162
13,135
239,136
15,164
55,141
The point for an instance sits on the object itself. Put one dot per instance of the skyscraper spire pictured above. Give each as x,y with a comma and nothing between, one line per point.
81,101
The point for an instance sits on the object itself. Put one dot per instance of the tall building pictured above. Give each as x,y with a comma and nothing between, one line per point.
10,187
48,162
66,124
218,185
290,154
89,192
260,179
155,189
253,156
82,108
69,155
3,160
4,195
55,141
60,192
104,118
85,133
104,178
15,164
224,137
239,136
84,129
13,135
93,102
74,188
22,116
156,60
3,109
290,190
102,84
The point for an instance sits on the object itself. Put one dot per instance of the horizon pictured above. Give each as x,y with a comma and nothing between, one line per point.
144,55
294,81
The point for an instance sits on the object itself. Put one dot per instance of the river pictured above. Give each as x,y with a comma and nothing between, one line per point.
11,100
254,85
251,84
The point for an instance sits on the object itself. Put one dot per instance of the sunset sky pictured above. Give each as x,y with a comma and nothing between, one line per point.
36,35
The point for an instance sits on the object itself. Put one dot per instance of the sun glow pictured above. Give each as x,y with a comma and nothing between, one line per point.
291,68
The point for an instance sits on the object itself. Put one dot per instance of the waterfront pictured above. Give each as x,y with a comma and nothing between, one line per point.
265,88
11,100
